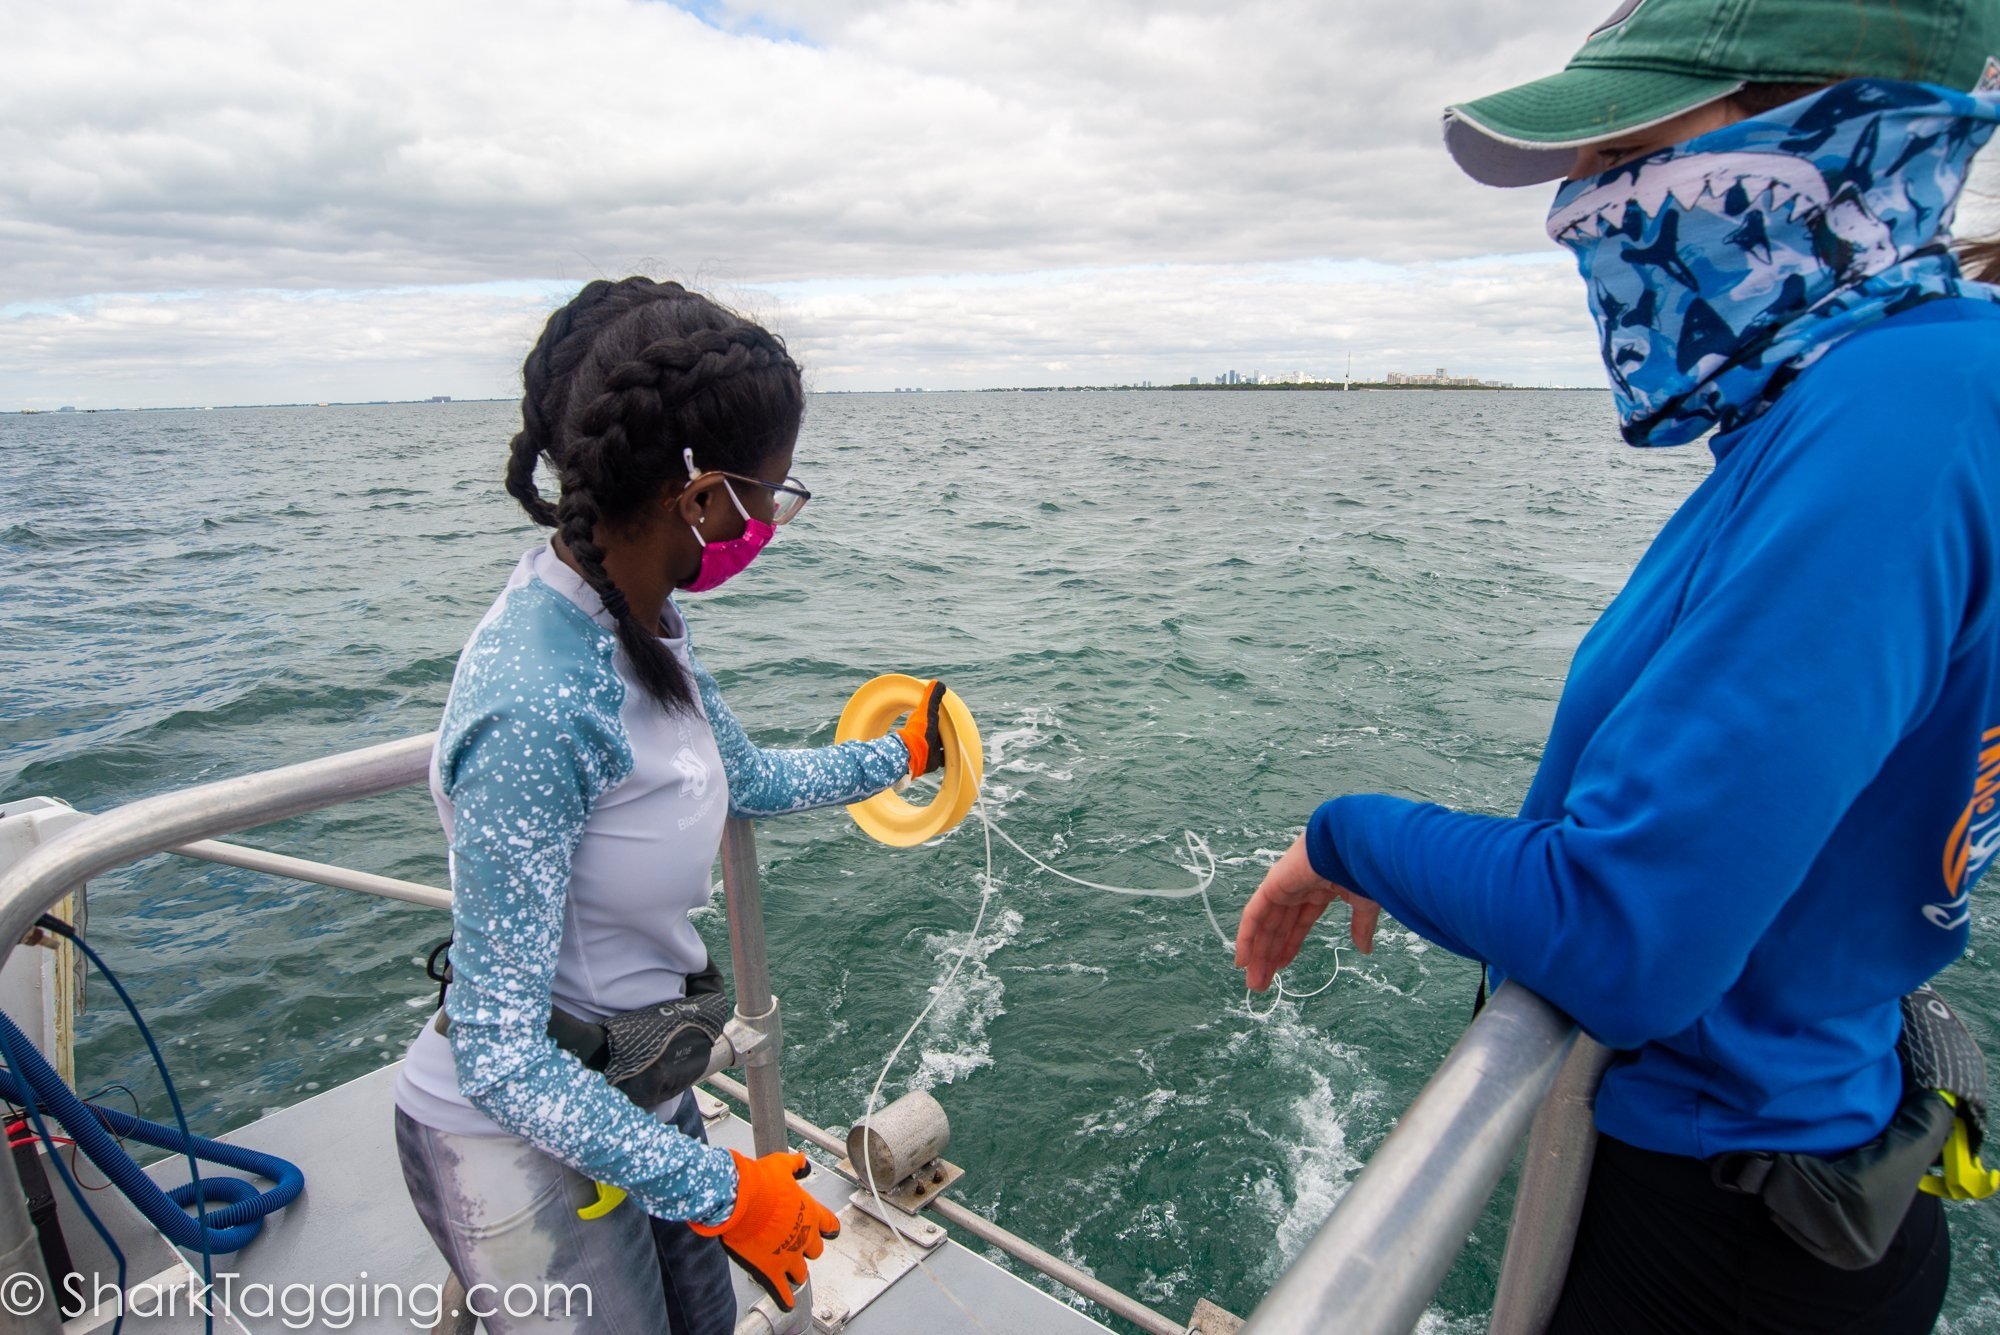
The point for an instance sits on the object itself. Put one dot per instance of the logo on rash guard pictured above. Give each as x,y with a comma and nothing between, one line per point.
1974,840
694,772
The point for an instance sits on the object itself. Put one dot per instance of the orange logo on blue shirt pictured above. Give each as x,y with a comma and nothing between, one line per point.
1974,840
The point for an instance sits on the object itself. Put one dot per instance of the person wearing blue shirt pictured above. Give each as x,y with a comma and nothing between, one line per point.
1774,775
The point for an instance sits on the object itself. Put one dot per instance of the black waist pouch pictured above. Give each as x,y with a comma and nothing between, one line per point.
656,1052
650,1054
1847,1210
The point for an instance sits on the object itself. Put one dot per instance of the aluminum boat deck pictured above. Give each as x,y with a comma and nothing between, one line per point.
354,1232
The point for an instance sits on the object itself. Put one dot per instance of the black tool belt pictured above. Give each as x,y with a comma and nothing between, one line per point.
650,1054
1847,1210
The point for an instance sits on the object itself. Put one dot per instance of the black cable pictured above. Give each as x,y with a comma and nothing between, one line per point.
137,1109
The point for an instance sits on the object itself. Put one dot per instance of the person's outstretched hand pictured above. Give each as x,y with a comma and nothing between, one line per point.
1284,909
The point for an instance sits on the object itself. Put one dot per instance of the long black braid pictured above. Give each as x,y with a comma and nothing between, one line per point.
622,379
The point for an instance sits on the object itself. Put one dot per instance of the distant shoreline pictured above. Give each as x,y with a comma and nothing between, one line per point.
993,389
1317,385
1320,385
245,407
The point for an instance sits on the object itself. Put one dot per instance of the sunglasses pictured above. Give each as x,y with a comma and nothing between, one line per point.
787,497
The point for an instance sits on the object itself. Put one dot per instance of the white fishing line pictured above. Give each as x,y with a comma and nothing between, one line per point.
986,891
1198,853
1278,980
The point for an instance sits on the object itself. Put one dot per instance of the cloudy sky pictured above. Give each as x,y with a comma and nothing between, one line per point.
244,202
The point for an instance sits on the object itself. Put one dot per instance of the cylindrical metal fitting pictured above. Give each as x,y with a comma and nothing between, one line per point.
898,1140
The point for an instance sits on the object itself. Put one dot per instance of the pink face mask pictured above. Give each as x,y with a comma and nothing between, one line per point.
722,560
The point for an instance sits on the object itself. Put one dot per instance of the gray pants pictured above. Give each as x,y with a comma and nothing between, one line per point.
504,1215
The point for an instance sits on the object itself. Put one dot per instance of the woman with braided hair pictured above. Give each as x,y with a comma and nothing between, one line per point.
583,770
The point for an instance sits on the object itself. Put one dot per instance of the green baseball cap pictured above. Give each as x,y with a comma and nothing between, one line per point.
1653,60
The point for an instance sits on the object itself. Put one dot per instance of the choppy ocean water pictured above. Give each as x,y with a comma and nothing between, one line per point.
1169,611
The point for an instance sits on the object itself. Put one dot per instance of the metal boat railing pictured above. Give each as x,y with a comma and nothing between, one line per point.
1548,1204
187,822
154,825
1377,1262
1372,1269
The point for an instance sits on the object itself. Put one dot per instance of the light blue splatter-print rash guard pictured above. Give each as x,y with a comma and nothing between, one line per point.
583,821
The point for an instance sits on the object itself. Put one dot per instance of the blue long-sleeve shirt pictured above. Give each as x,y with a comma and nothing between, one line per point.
583,822
1772,779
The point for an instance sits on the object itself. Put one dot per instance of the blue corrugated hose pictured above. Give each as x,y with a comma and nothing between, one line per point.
95,1130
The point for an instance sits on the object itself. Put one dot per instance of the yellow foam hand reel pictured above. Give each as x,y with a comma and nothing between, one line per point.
889,817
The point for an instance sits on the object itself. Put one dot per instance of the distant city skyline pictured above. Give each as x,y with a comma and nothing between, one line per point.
1438,377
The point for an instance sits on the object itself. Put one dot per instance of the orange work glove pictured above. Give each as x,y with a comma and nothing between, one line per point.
922,734
776,1226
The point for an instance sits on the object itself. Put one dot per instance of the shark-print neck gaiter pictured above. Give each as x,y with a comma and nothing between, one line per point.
1721,268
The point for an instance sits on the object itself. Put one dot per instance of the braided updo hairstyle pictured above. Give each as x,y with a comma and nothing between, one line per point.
622,379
